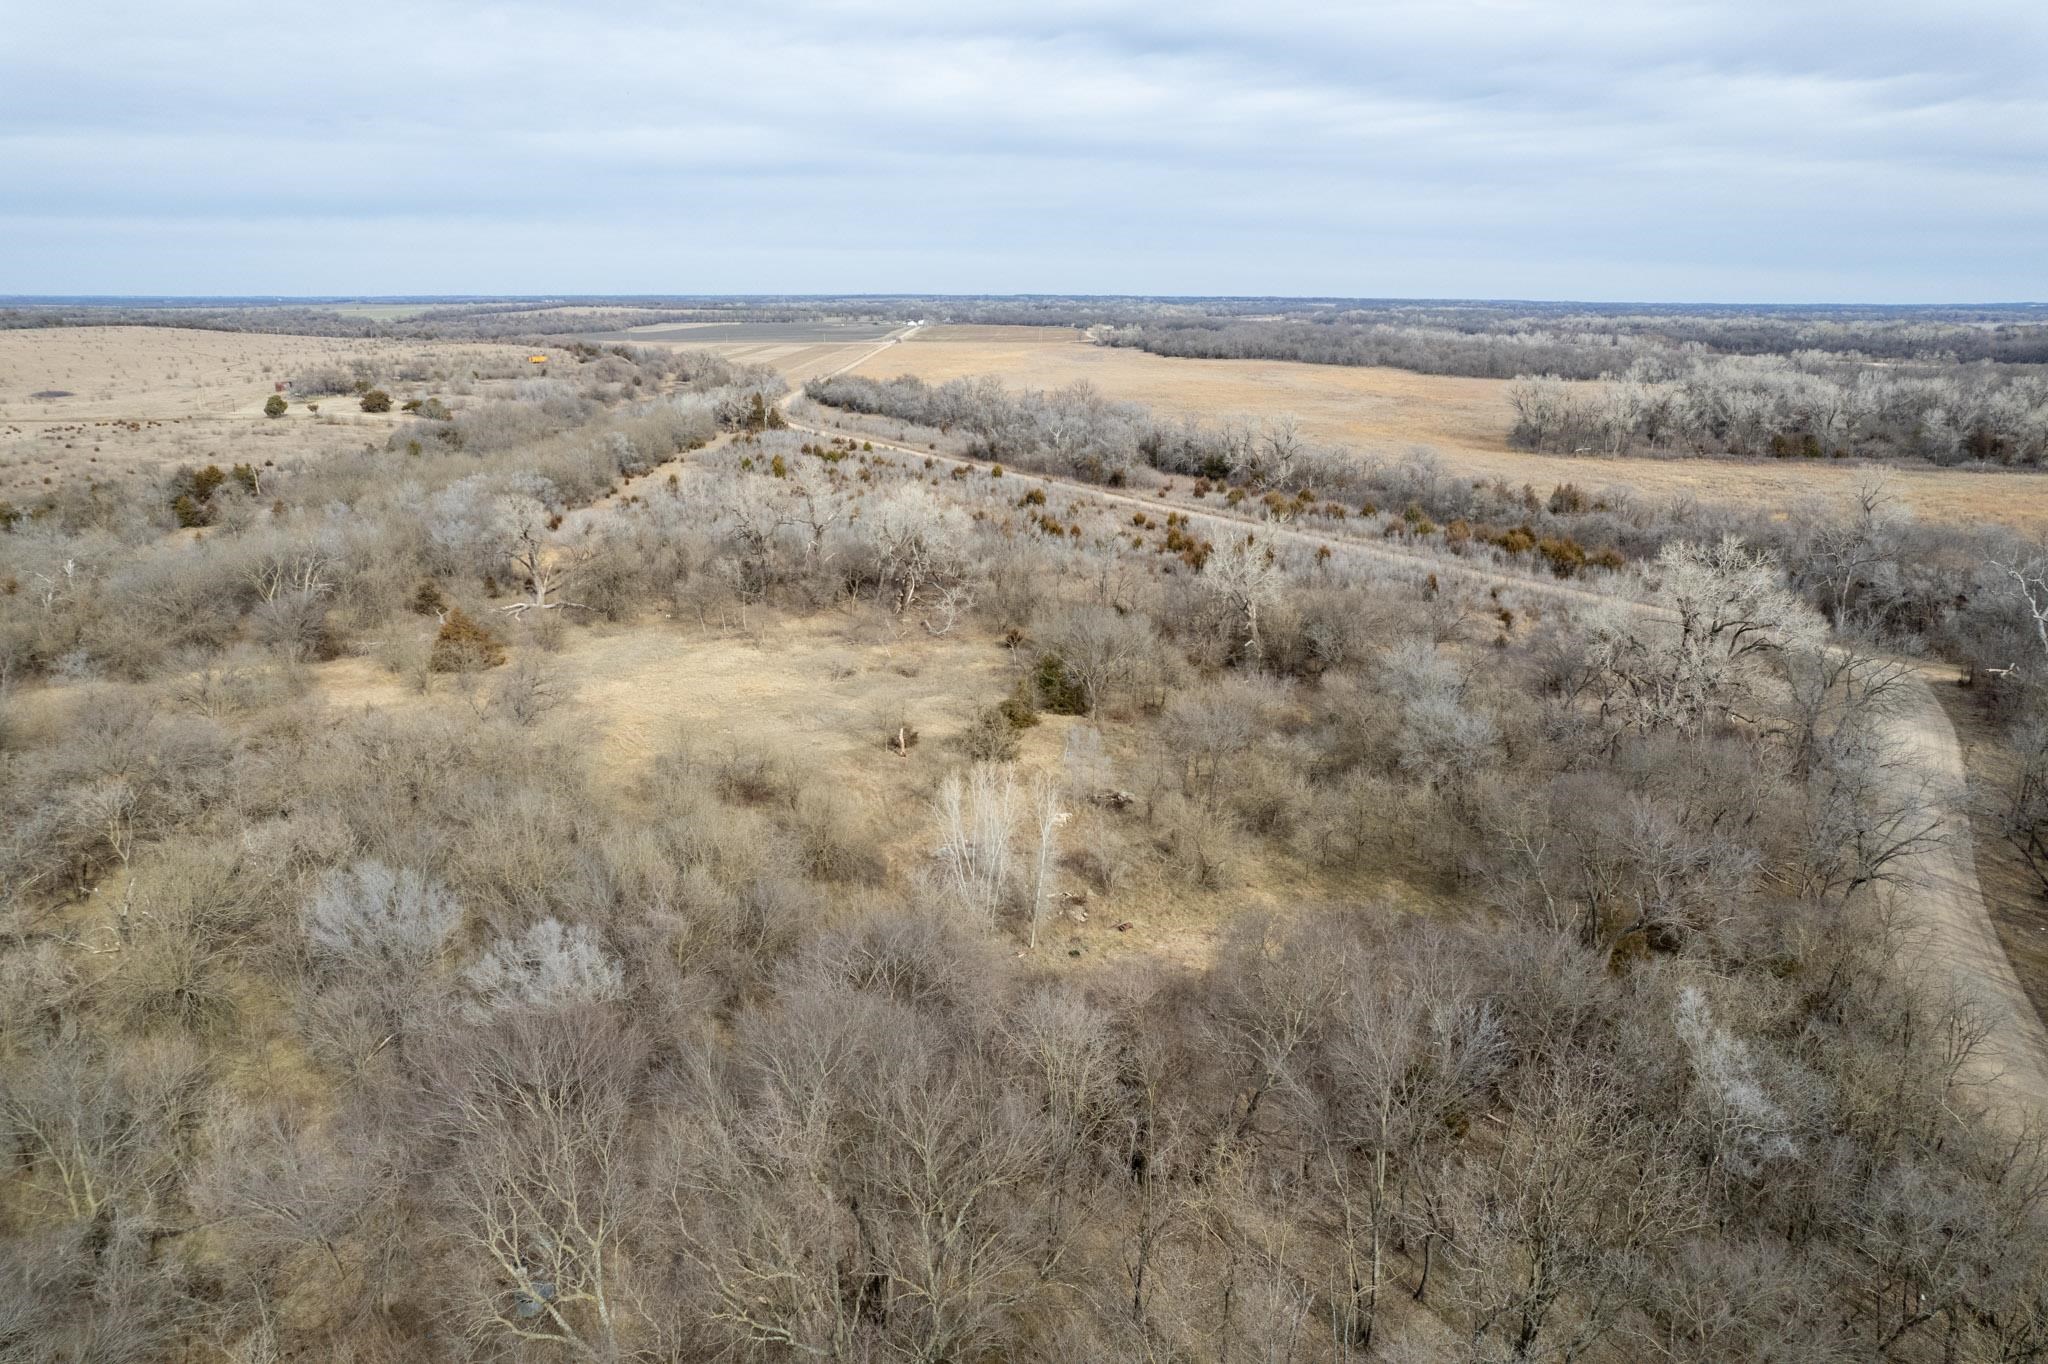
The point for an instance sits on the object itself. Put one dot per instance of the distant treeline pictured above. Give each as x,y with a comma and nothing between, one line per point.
1492,343
1478,338
480,322
1945,385
1805,406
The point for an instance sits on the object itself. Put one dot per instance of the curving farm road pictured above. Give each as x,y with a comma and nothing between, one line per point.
1944,905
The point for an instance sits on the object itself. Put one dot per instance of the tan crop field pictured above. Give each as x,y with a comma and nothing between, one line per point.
1389,414
799,355
139,399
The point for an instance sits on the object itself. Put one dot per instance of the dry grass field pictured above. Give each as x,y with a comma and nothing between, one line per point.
799,350
1392,413
820,696
829,689
796,361
137,399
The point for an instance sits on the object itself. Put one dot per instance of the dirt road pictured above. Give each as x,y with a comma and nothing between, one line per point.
865,355
1944,906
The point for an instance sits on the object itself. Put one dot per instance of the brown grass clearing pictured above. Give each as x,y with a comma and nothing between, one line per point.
144,399
796,361
822,686
1390,413
824,692
164,372
819,693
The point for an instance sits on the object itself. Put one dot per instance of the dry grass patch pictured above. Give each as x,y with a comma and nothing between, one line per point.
822,686
143,399
816,696
809,705
796,360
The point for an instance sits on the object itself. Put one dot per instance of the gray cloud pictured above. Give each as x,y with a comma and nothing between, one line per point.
1718,149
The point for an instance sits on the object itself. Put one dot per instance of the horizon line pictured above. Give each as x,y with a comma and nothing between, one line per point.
269,299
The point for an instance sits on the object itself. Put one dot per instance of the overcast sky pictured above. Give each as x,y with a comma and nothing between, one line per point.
1726,150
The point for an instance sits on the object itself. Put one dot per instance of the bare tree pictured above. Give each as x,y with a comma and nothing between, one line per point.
1747,1128
96,1137
1734,614
1245,576
977,819
1279,991
815,516
2023,814
1443,738
546,967
916,539
1412,1051
1847,550
1046,820
1871,811
1839,686
1555,1234
371,917
540,1186
1281,449
1100,649
548,563
292,591
2028,577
